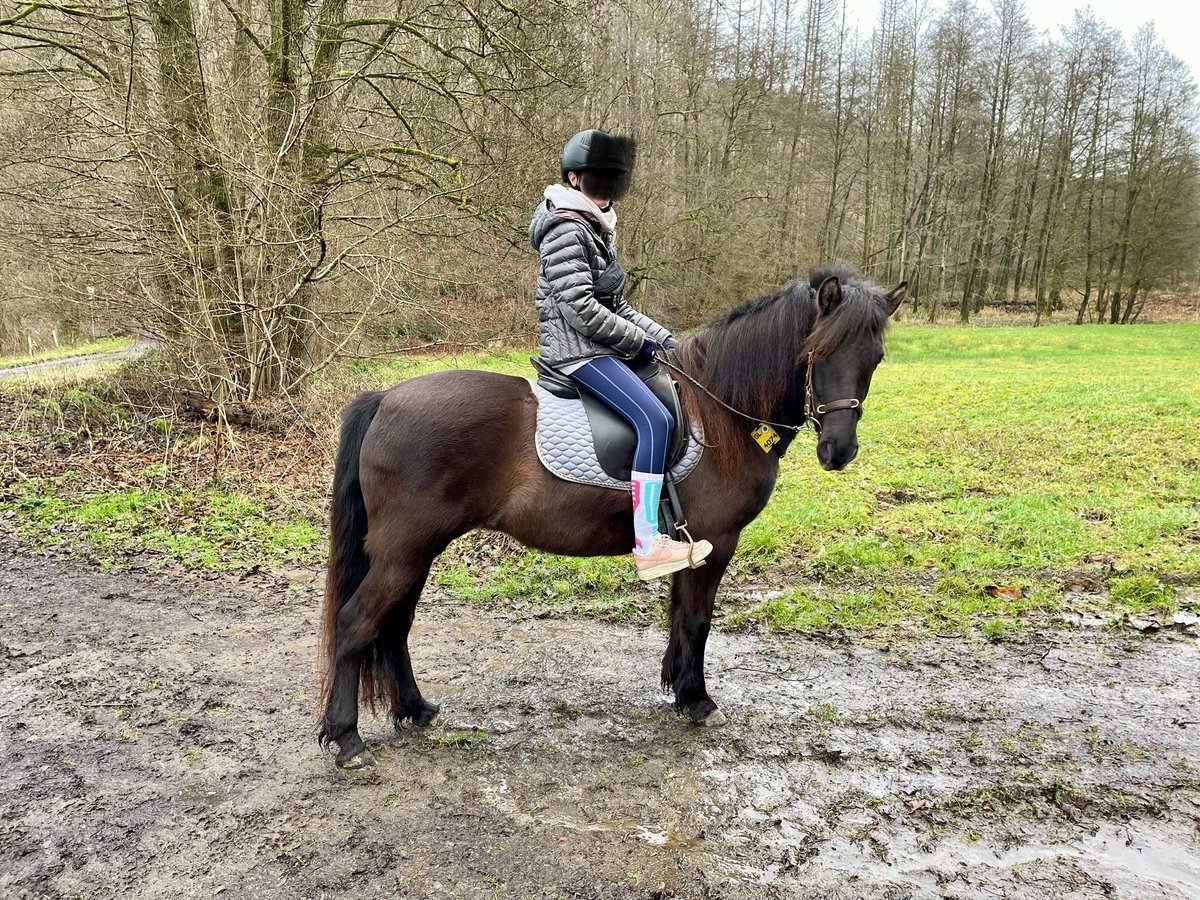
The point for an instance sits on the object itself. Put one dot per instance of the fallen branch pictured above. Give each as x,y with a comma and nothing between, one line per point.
199,406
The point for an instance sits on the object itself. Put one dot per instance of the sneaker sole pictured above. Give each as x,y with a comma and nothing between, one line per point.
668,568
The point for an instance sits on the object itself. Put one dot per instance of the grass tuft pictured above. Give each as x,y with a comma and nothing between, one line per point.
1142,593
209,530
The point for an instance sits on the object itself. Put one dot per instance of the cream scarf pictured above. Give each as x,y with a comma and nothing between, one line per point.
563,198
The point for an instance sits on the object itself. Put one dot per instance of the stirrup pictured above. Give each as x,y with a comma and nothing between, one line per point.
682,528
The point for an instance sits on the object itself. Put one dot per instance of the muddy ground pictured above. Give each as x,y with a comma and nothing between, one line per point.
157,738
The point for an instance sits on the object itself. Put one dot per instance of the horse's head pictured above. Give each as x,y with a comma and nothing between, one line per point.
840,356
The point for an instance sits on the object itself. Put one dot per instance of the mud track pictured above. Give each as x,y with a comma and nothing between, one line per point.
157,737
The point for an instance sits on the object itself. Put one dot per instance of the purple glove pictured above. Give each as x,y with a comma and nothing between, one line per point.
670,343
649,348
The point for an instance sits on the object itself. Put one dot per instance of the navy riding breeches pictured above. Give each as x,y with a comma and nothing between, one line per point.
614,382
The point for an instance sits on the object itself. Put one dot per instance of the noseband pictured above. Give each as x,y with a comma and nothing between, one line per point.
813,411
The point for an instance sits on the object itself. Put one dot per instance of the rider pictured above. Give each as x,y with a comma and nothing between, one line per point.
591,333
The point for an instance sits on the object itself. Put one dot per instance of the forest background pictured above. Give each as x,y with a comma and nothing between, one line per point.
266,187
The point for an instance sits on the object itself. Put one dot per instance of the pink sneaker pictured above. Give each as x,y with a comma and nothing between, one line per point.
667,556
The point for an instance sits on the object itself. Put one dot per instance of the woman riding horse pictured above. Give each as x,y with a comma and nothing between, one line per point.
590,332
805,353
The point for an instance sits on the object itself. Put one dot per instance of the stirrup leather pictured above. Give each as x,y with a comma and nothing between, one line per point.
682,528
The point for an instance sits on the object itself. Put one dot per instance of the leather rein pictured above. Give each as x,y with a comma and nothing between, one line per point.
813,411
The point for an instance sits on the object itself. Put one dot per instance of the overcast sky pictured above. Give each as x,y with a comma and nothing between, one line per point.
1177,21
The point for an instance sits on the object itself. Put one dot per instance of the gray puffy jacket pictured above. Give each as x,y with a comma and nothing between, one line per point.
580,291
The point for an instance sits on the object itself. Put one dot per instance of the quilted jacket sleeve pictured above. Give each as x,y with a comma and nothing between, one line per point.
642,321
569,273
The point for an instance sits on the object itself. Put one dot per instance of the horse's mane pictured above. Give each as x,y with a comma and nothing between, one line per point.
749,356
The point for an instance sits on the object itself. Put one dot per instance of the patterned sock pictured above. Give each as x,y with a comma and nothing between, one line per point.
647,490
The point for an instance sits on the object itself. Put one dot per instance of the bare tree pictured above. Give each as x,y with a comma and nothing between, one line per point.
261,152
269,185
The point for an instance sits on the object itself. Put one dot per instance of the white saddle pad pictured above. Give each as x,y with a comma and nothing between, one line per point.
564,443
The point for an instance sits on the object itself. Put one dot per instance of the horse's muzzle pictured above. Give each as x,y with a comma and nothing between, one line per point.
834,456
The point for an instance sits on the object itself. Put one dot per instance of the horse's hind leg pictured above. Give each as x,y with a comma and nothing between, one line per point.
407,702
359,624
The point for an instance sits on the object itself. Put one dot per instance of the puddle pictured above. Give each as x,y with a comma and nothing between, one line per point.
499,797
194,792
1129,860
1132,859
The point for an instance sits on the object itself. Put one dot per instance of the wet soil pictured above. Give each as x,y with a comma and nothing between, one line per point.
157,733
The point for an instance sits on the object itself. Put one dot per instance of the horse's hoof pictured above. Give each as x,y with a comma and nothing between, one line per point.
363,759
427,714
705,712
422,717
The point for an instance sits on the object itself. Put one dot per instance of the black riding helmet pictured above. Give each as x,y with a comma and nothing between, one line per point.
606,155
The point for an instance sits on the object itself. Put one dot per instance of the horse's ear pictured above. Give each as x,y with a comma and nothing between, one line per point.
896,296
829,295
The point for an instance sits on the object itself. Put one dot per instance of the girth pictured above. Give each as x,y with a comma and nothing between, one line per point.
613,438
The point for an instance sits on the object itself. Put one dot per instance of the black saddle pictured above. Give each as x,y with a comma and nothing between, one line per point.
613,438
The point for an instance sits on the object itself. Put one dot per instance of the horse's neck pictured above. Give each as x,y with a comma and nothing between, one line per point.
783,407
790,411
787,406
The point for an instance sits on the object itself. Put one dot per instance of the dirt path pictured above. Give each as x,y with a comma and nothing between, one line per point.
157,739
133,351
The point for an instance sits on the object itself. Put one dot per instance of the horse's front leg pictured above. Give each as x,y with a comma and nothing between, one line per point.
692,595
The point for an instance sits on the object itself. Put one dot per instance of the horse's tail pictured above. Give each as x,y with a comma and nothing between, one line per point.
348,561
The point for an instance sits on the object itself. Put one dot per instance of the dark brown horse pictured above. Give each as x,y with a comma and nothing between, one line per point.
443,454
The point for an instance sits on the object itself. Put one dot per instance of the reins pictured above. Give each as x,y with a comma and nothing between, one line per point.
812,410
737,412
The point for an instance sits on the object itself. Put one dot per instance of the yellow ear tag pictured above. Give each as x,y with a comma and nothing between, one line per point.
766,436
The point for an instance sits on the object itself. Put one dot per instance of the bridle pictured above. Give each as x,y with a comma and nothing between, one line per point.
813,411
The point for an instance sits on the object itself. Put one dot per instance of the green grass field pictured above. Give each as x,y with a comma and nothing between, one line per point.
1003,465
1001,470
1005,475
